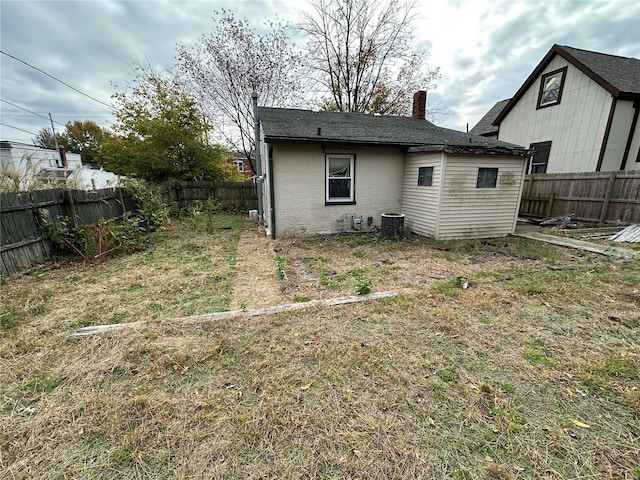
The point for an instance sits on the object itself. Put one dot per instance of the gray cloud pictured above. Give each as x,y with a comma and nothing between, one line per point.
92,46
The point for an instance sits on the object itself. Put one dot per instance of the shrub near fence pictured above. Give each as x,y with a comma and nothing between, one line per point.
22,240
593,196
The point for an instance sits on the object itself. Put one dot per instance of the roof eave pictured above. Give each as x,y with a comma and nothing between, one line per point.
332,141
472,150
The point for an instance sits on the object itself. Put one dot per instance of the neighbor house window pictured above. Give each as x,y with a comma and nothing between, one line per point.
340,178
239,165
539,157
551,88
425,176
487,178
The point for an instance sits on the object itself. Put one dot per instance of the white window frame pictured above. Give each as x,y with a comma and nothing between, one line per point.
352,173
239,165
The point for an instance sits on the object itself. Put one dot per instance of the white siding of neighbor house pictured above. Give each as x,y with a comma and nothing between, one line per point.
618,136
470,212
575,127
299,188
420,203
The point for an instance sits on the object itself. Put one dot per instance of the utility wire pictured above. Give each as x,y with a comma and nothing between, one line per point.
56,79
11,126
18,106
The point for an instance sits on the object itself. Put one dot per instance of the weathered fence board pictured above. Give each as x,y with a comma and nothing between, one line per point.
24,243
593,196
238,195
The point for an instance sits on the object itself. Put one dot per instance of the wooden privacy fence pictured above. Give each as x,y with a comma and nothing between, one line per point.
593,196
22,240
232,195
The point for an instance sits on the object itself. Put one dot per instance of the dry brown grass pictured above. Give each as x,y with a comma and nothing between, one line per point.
531,372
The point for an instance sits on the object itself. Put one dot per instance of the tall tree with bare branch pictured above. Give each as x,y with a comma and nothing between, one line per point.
233,61
362,54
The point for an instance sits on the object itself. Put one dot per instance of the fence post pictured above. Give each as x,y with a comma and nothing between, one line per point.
70,207
607,197
552,197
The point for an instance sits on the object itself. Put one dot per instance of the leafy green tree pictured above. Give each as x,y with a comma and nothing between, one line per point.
85,138
45,139
160,134
362,55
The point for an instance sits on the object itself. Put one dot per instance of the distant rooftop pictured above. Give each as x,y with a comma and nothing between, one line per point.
484,126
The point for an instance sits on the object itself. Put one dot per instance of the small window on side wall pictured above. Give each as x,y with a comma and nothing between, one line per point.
487,178
551,85
425,176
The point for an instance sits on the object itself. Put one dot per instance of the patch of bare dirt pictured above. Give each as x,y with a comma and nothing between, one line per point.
255,281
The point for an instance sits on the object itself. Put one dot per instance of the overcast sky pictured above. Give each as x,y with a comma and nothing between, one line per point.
485,48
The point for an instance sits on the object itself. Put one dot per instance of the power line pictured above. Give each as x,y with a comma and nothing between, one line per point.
18,106
56,79
11,126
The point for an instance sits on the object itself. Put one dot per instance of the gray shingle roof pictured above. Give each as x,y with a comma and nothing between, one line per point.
622,73
484,126
306,126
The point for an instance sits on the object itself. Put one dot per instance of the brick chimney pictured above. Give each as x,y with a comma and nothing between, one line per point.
420,104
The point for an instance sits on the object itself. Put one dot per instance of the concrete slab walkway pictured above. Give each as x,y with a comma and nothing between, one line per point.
607,250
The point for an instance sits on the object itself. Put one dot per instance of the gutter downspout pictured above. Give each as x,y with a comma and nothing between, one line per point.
256,133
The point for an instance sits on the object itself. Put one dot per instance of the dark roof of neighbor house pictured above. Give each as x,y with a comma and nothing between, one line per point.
341,128
485,125
620,76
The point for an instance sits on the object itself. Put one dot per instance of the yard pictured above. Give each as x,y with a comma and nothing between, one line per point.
533,371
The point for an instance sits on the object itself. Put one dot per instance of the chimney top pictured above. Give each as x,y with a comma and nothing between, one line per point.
420,104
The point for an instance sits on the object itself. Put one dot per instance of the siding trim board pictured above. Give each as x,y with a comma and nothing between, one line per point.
632,129
607,132
272,194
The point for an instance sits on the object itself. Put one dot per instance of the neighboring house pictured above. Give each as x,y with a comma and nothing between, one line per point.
578,112
28,166
327,172
242,165
485,126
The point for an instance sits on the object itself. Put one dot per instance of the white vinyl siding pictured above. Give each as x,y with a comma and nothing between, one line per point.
470,212
420,203
576,126
300,193
618,136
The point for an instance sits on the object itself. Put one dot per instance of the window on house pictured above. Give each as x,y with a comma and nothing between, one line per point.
425,176
551,88
539,157
487,178
340,178
239,164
